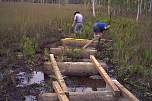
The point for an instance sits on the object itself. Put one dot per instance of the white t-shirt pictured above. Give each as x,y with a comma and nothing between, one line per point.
78,18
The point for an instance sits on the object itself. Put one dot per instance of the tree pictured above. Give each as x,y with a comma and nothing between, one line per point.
150,6
109,3
93,7
139,9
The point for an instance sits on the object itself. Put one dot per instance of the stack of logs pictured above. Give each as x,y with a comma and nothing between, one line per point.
114,90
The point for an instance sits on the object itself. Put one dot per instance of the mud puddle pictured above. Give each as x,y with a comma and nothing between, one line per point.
85,84
25,79
30,85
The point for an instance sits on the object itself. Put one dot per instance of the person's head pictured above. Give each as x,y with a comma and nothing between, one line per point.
76,12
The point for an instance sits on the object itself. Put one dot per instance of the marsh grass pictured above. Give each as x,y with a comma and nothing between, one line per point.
132,42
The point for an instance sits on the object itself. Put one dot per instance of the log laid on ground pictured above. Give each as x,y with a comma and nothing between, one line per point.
83,53
76,43
105,76
74,68
58,74
85,96
81,42
61,95
125,92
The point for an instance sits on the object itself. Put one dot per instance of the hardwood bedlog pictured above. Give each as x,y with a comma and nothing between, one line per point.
87,96
76,43
81,42
73,68
83,53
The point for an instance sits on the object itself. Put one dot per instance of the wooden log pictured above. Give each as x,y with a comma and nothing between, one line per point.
125,92
74,68
82,53
61,95
75,96
58,74
105,76
81,42
76,43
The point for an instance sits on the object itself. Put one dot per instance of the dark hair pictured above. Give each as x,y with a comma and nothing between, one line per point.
76,12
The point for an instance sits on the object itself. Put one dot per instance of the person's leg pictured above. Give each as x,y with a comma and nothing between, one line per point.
78,29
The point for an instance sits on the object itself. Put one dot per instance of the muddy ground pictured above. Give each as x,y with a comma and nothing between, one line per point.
24,82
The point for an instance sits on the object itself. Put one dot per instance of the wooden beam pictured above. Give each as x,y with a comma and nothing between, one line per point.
74,68
58,74
86,45
105,76
61,95
125,92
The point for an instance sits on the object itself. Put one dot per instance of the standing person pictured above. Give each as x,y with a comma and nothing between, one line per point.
78,22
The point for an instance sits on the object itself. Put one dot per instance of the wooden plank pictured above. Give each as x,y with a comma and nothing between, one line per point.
61,95
105,76
125,92
58,73
86,45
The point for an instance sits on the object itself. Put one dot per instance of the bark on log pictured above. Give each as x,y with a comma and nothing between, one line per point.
82,53
77,43
87,96
81,42
74,68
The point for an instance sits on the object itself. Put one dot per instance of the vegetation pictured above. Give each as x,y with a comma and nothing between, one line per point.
26,27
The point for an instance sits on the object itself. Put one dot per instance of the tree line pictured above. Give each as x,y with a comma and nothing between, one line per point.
113,6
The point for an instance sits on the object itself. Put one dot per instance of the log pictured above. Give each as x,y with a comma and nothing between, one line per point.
125,92
58,74
105,76
74,68
82,53
81,96
77,43
81,42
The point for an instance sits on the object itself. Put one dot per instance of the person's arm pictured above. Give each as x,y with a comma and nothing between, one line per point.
74,21
107,27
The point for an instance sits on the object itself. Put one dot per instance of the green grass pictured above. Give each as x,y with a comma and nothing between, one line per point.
132,42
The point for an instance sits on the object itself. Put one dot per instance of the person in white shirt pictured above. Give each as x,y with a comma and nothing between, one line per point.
78,22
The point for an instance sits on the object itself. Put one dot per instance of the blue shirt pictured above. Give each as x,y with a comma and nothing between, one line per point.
101,25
